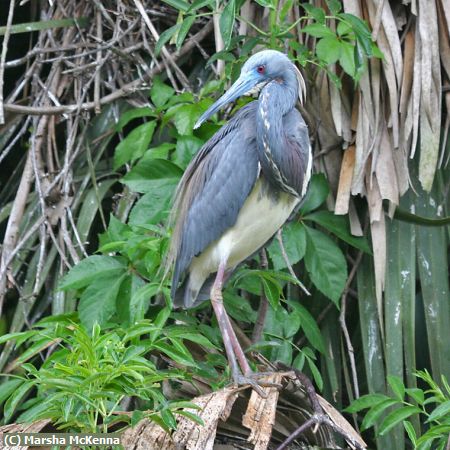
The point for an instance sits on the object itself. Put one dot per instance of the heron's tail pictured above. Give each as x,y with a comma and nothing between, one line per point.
190,294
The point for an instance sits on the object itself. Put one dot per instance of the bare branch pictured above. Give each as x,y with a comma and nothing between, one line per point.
126,90
288,263
3,57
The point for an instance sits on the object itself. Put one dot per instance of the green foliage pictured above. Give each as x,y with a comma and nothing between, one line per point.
348,42
122,286
121,283
82,382
432,404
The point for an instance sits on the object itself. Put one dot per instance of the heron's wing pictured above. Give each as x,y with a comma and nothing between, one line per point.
214,188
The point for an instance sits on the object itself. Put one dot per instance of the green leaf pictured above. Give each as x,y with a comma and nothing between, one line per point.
442,411
371,335
92,202
272,290
180,5
161,151
35,412
184,30
134,145
325,264
309,326
140,300
397,386
169,419
328,49
226,22
316,13
375,412
360,63
266,3
98,301
139,329
165,37
294,242
38,346
28,27
175,354
417,394
359,26
366,401
162,317
8,387
406,216
334,6
396,417
291,324
285,9
316,374
184,116
299,361
19,337
152,207
190,334
334,79
136,417
116,232
347,59
15,398
134,113
343,29
197,4
237,308
191,416
411,432
151,174
160,93
249,44
222,55
211,87
440,432
128,310
339,226
187,147
91,268
317,193
433,263
376,52
318,30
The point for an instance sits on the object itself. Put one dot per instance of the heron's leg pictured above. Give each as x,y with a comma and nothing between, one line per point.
231,343
240,355
223,321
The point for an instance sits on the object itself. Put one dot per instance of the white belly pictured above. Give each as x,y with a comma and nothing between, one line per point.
259,219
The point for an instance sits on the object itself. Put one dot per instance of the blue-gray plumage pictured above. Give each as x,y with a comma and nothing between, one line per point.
240,188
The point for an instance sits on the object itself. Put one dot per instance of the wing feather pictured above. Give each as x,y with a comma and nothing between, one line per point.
214,188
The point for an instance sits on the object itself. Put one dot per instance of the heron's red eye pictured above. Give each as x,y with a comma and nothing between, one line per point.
261,69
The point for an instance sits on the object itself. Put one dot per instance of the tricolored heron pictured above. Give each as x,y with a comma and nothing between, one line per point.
239,189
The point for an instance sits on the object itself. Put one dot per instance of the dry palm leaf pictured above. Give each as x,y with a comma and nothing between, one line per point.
269,420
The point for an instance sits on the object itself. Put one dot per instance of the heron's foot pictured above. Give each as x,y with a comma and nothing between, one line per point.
256,381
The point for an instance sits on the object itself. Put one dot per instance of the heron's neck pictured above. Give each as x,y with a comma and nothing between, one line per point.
275,101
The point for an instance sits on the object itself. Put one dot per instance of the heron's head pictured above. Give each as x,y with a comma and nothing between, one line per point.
260,69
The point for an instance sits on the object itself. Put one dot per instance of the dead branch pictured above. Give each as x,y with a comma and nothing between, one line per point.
126,90
319,417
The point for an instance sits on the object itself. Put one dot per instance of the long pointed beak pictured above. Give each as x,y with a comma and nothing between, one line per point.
240,87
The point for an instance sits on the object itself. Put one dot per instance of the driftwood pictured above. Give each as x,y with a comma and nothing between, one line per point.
228,412
288,418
